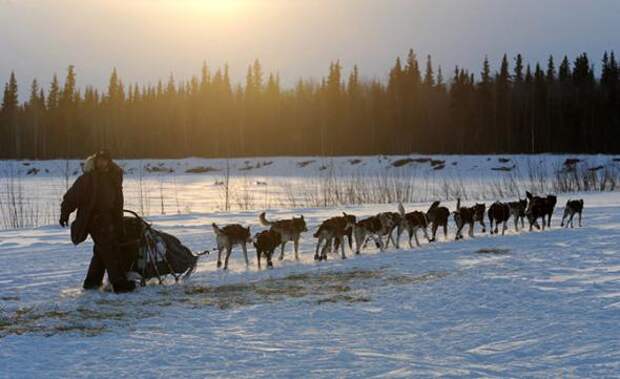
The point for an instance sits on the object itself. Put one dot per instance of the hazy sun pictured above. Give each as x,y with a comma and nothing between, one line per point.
215,6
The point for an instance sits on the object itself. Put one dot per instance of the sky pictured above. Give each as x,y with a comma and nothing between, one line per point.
148,40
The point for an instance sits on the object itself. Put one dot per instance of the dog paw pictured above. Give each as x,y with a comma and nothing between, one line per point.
219,264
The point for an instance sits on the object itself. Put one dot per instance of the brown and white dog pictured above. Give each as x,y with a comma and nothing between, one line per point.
468,216
438,216
389,222
266,243
540,207
412,222
572,207
340,221
333,229
290,230
499,213
228,237
368,228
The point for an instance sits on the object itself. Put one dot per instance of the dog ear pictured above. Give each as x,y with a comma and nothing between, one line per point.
528,195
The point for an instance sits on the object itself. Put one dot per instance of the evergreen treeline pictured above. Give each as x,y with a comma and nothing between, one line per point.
516,109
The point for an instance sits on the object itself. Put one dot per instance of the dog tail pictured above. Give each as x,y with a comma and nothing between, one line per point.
217,229
401,209
263,220
458,203
318,231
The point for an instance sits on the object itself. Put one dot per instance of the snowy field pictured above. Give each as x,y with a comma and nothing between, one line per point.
539,304
32,189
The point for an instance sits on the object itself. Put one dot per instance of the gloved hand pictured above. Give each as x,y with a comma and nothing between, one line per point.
64,220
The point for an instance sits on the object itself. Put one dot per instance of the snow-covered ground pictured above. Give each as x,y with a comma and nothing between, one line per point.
539,304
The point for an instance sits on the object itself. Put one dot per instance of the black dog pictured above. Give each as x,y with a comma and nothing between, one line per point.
266,243
468,216
572,207
438,216
498,213
540,207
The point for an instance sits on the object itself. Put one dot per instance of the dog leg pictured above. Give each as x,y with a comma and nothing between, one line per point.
516,223
296,247
258,253
341,239
324,250
564,218
445,230
434,230
580,219
415,234
228,251
504,227
471,230
219,257
245,254
410,237
318,245
391,237
282,250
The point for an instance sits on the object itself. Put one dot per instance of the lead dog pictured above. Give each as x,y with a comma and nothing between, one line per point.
468,216
228,237
412,222
290,230
333,229
572,207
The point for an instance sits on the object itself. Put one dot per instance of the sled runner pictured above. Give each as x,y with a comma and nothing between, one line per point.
155,254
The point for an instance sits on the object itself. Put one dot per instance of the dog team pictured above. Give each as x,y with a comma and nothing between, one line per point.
387,227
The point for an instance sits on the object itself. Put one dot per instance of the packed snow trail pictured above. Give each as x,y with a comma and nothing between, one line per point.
526,304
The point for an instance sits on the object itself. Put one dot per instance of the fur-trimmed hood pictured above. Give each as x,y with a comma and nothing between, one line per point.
89,165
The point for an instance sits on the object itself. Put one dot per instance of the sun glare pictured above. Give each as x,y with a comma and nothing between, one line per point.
210,6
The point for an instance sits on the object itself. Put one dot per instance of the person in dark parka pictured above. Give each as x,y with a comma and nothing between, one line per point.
97,195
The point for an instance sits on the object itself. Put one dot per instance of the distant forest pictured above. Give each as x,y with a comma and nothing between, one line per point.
516,108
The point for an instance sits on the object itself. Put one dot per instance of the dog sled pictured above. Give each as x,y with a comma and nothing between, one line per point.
155,254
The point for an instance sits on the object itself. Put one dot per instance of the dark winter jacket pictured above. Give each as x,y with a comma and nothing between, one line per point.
84,196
